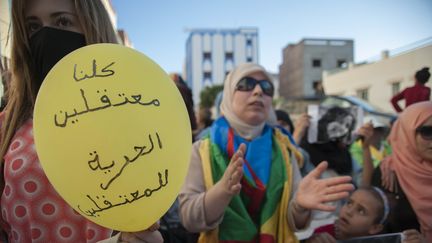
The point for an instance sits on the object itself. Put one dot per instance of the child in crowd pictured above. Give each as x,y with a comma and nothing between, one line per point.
366,211
364,214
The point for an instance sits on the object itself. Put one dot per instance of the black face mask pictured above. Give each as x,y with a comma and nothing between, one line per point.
48,46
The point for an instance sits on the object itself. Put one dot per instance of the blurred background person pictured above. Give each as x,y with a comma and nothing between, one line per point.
204,121
284,121
186,94
171,227
377,144
417,93
334,132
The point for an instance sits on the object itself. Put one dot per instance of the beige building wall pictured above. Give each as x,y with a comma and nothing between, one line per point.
380,78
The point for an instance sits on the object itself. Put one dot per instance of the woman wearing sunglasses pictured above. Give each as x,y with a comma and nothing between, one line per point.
243,183
407,172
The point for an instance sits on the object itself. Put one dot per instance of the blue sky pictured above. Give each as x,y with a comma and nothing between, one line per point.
158,28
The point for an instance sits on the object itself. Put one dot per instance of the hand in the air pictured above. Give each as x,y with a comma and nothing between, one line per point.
314,193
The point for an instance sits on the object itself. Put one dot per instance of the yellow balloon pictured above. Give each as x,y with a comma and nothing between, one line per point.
113,136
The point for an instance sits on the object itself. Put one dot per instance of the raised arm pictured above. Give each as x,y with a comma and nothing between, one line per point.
366,132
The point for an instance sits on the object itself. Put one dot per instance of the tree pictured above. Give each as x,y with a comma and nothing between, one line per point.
208,95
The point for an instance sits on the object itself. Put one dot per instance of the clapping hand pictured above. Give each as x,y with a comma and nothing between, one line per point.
314,193
234,172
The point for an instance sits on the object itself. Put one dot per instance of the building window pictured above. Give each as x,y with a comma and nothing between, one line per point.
249,59
207,55
395,88
207,76
249,42
363,94
341,63
229,56
316,63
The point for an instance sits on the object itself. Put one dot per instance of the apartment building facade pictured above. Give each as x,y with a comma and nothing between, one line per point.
300,73
212,53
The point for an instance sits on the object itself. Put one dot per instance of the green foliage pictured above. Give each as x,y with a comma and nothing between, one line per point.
208,95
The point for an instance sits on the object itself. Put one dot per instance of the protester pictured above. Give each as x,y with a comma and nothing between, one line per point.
299,129
417,93
369,209
186,94
243,182
364,214
204,121
287,127
284,120
171,228
407,173
43,31
377,145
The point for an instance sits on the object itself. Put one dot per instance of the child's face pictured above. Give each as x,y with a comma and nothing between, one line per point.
357,216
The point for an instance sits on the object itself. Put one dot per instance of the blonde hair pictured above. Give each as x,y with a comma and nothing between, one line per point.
97,28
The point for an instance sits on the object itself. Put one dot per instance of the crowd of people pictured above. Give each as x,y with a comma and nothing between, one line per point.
253,175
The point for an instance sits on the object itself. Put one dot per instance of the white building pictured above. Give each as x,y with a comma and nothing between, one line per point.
378,81
212,53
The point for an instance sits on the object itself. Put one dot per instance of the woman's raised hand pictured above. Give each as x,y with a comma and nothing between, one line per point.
314,193
366,132
234,172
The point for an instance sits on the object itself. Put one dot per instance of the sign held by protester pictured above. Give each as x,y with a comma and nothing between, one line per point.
333,123
113,135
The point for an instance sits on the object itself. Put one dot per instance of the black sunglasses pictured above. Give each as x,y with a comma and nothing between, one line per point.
248,84
425,132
